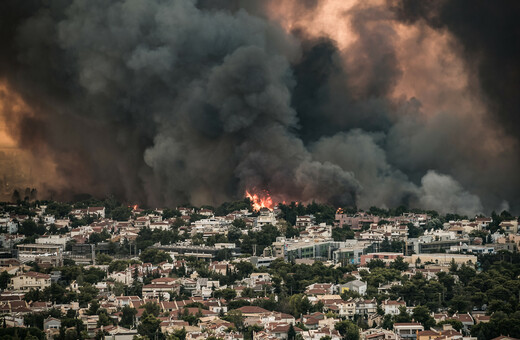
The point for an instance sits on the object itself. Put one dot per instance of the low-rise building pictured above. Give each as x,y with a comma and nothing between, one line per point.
408,330
392,306
51,323
357,286
30,280
49,252
441,259
266,216
385,257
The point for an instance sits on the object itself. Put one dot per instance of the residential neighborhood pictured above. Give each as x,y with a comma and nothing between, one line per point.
99,269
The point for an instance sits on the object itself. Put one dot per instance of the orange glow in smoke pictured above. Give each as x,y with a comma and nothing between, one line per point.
261,200
13,104
330,18
433,73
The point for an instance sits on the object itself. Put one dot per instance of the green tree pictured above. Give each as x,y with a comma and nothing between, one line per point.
103,259
121,213
239,223
235,316
149,326
93,275
104,319
15,333
119,288
86,294
460,303
465,274
413,231
34,295
228,294
348,330
60,210
169,213
387,321
234,234
93,308
399,264
342,234
5,279
299,304
152,308
118,266
292,232
377,263
403,315
128,316
422,314
262,239
99,237
291,333
154,256
57,294
244,268
29,228
248,293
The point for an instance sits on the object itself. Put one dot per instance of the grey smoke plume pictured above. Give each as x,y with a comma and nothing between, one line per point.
442,193
168,102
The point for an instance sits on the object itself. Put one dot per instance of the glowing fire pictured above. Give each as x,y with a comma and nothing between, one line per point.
260,201
135,207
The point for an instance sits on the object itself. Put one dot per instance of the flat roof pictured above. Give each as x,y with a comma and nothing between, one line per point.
39,245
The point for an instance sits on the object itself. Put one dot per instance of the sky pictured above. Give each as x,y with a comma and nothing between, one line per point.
353,103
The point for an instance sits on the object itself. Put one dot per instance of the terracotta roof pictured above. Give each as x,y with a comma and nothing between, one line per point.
252,310
450,332
427,333
284,329
36,274
392,302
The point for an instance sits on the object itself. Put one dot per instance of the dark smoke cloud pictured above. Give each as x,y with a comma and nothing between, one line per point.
485,35
167,102
488,35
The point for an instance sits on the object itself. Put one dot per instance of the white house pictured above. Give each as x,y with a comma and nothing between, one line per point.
392,306
124,276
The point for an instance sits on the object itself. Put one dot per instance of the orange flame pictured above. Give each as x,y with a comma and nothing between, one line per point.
135,207
260,201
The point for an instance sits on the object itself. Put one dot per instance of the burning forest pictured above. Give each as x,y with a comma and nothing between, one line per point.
261,200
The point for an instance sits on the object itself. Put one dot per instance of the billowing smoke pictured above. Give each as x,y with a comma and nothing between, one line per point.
166,102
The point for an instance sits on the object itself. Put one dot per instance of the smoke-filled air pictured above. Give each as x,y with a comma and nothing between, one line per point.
347,102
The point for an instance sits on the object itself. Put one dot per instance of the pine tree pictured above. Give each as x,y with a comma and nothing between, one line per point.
291,333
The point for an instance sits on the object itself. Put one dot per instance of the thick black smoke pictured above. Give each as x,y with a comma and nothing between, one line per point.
167,102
